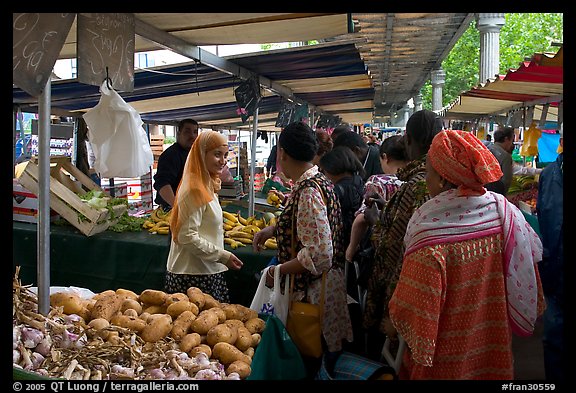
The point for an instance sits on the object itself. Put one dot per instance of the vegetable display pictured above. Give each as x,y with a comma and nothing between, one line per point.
121,334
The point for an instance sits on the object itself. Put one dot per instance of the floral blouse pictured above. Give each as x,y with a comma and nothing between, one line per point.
383,185
318,247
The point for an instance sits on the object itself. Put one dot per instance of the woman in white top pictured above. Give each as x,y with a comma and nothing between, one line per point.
197,256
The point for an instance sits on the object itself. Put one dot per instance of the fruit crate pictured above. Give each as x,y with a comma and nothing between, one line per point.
64,192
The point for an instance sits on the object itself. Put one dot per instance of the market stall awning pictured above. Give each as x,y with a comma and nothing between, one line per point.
535,83
331,77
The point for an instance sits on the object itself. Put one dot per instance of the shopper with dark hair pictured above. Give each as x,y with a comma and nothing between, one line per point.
342,167
312,219
171,163
502,149
368,155
421,128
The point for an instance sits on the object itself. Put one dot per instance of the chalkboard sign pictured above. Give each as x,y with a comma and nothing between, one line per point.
247,97
301,113
106,41
286,113
37,39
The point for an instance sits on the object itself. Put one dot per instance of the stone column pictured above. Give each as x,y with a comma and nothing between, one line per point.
406,114
437,78
418,103
489,25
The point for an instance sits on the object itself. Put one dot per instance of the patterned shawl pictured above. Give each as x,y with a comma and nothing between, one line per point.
449,218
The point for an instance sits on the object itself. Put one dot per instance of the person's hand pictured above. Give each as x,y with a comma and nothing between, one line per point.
375,199
350,252
389,329
270,276
261,236
371,214
279,194
234,263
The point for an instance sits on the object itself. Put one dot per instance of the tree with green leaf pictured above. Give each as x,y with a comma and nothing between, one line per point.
522,35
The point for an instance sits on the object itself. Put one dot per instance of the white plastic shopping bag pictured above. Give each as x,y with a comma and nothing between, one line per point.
120,144
272,301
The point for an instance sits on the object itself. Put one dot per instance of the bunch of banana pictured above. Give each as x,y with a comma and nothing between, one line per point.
159,222
272,199
240,231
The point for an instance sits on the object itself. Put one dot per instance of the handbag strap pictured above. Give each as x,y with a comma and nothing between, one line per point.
293,255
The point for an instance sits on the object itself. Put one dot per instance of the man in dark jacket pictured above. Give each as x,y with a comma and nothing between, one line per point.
368,155
550,213
171,163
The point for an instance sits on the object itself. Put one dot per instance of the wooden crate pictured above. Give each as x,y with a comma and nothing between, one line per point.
64,192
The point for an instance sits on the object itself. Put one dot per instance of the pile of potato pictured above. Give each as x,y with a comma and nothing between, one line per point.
194,320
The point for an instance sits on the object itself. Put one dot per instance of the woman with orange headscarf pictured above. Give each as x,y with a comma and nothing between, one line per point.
469,278
197,256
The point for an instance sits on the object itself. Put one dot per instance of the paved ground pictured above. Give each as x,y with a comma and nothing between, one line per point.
528,356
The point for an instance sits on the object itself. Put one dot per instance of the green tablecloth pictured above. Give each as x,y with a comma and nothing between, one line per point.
110,260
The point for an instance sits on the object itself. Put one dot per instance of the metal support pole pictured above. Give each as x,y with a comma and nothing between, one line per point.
43,233
253,162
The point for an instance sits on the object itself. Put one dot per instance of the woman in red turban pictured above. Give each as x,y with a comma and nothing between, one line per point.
469,278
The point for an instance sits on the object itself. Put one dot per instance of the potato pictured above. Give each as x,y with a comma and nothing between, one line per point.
201,348
250,352
131,303
228,353
220,333
131,312
126,293
106,307
144,316
153,297
196,296
105,293
85,314
236,323
244,340
255,325
175,297
70,302
114,338
99,325
189,341
181,325
155,309
232,311
157,329
133,323
256,338
205,321
221,314
179,307
210,302
238,366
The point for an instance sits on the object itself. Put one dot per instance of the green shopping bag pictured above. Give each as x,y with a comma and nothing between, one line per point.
276,357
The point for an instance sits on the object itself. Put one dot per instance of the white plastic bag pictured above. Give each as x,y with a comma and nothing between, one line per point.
120,144
272,300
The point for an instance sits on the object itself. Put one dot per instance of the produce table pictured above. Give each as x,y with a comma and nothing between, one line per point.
111,260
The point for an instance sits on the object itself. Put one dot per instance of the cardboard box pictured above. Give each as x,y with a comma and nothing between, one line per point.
25,205
64,192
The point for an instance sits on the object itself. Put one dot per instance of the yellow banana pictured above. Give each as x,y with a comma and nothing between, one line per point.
230,216
242,220
240,235
271,244
227,227
252,229
272,221
163,230
147,224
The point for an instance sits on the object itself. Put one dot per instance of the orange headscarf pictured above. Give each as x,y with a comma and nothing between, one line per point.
462,159
197,187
